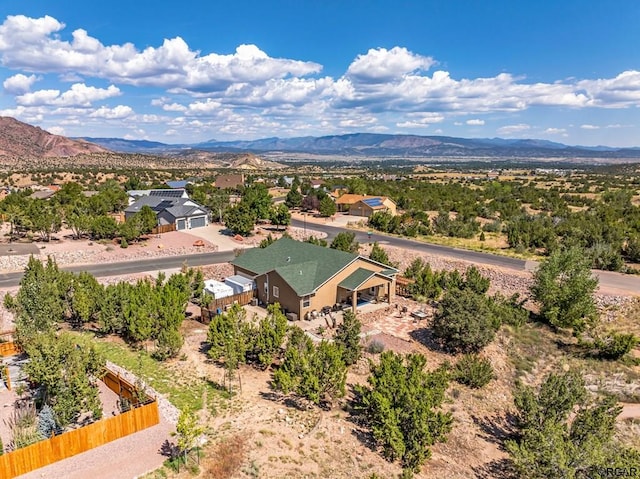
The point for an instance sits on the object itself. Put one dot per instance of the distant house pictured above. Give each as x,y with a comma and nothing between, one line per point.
229,181
42,194
303,277
363,205
184,213
316,184
372,204
177,184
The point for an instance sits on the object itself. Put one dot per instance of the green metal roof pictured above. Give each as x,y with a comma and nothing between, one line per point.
356,278
389,272
303,265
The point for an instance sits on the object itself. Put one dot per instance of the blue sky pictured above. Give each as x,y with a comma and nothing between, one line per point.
182,72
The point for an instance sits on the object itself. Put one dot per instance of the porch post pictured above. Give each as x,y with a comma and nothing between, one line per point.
354,300
388,292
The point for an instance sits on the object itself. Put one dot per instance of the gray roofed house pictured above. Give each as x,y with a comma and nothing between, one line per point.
183,212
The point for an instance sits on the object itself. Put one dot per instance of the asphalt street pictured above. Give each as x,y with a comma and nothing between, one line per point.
608,280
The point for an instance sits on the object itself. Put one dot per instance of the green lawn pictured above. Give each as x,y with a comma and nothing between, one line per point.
185,391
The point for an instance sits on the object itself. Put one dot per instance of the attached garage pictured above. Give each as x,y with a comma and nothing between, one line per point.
181,224
198,221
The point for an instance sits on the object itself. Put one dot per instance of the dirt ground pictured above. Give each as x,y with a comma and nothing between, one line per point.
288,440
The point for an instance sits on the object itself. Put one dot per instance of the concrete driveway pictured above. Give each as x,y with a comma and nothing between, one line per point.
214,233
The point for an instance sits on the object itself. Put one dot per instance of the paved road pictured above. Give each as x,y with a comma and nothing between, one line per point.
473,256
609,281
131,267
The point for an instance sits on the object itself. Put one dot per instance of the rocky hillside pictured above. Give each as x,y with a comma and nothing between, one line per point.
237,161
18,139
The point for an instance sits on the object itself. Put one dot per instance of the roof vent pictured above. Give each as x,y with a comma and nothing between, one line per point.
300,272
288,259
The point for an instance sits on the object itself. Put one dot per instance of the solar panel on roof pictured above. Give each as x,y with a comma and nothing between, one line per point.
373,202
166,193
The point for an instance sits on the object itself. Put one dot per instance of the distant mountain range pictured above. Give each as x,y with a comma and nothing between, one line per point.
381,145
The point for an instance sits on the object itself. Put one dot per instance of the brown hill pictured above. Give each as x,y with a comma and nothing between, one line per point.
18,139
239,161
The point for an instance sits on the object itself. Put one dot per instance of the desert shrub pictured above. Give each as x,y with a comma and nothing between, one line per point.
229,456
465,321
375,347
123,243
615,345
473,371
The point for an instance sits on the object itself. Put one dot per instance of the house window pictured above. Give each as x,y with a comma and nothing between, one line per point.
306,302
276,292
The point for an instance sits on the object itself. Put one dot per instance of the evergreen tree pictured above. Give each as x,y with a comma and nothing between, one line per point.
348,338
327,207
345,241
563,434
380,255
464,321
401,406
564,287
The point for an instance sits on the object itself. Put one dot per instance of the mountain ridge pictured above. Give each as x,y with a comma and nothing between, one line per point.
381,145
19,139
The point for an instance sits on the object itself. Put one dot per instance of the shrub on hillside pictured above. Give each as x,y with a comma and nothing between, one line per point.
473,371
615,345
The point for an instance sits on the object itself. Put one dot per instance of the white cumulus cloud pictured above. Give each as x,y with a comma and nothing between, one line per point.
381,65
116,113
79,95
589,127
475,122
513,129
32,44
19,84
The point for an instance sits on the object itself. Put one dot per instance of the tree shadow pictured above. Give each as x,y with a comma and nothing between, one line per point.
496,429
169,449
360,430
425,337
502,468
204,348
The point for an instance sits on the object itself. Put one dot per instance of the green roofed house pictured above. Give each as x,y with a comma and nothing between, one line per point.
303,277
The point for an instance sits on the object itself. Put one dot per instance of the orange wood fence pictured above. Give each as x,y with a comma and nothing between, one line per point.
122,387
9,348
74,442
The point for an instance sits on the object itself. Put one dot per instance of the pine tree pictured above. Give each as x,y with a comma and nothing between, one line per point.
348,338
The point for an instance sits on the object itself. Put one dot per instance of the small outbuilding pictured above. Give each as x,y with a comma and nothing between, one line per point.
218,289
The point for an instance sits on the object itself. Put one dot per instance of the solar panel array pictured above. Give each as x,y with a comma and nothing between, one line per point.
373,202
167,193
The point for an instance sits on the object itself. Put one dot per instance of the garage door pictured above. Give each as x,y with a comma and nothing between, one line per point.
198,222
182,224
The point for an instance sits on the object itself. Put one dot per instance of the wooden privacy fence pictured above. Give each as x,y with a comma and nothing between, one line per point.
163,229
7,346
43,453
219,305
123,388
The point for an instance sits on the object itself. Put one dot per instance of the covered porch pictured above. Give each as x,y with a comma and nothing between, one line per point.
364,286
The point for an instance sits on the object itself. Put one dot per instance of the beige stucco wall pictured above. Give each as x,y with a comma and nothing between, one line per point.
327,295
